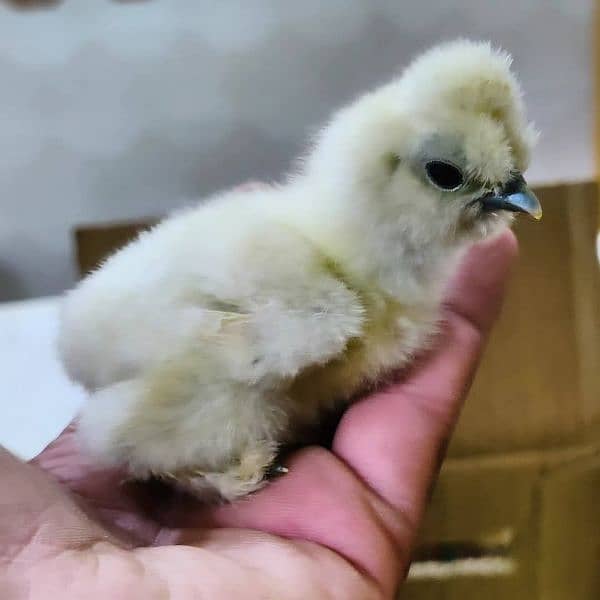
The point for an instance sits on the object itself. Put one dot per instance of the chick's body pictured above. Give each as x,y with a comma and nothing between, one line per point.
218,335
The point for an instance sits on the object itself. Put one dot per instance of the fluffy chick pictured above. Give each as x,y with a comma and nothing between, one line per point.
216,337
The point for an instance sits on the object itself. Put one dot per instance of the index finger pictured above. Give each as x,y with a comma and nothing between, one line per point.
395,439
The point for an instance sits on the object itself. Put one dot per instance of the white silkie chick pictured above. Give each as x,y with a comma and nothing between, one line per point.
219,335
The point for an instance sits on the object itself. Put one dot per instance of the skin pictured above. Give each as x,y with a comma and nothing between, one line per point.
341,524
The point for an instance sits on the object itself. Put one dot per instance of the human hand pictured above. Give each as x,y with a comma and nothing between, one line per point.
341,524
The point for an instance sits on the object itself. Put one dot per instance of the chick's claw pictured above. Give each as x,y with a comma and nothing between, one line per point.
278,469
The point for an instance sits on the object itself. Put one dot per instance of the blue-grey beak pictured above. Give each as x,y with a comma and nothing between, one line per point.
514,196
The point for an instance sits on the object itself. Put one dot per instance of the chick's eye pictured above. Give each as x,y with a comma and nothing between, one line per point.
444,175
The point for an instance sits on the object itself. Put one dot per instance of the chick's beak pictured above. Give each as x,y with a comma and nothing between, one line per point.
514,196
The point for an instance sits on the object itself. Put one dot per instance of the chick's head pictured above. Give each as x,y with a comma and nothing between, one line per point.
442,147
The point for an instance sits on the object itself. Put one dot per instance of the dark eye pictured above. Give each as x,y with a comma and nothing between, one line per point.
444,175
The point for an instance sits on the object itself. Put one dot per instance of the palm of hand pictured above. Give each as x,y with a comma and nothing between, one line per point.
340,524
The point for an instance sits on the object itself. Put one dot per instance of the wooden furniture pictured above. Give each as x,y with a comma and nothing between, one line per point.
539,382
94,243
516,511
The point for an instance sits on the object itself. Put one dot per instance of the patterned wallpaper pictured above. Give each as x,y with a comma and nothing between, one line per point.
122,110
